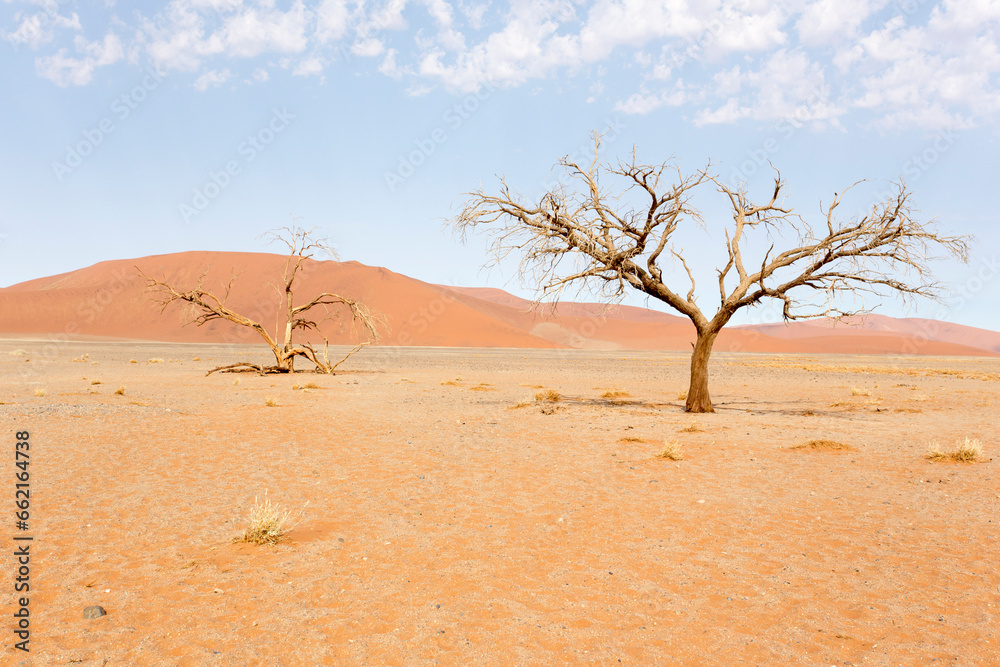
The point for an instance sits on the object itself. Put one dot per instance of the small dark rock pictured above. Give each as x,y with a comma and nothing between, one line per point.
94,611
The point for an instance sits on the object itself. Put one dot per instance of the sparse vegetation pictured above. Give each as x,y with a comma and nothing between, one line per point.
93,382
693,428
120,391
133,361
267,524
682,396
155,360
671,451
270,402
39,391
550,395
449,383
858,391
632,438
968,451
616,394
236,382
520,404
827,445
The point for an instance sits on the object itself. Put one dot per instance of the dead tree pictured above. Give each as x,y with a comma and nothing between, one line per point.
593,236
290,318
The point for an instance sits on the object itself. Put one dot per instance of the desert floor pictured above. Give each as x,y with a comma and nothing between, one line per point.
441,524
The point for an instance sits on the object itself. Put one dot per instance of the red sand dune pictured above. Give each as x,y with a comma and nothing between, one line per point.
109,299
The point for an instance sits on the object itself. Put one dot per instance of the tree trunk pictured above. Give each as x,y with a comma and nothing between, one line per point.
698,399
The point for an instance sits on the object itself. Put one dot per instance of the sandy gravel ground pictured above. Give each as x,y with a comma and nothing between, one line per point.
443,525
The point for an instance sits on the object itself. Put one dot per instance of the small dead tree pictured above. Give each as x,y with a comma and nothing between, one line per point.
290,318
594,235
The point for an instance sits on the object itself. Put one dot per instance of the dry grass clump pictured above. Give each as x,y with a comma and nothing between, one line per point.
195,358
632,438
616,394
120,391
270,402
827,445
682,396
968,451
482,386
858,391
155,360
39,391
133,361
449,383
268,524
520,404
671,451
550,395
95,382
693,428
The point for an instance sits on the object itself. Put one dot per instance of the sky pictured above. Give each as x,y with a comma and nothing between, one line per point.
142,128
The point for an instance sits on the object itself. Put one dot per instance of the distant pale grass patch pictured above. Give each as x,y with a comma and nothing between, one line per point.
858,391
520,404
968,451
267,524
133,361
155,360
270,402
671,451
95,382
682,396
39,391
632,438
550,395
616,394
693,428
828,445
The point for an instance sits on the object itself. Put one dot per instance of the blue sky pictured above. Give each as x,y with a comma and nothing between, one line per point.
146,128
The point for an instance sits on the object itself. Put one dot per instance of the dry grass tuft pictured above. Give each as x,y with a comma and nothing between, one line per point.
616,394
482,387
155,360
808,413
39,391
858,391
133,361
449,383
311,385
270,402
120,391
968,451
632,438
236,382
682,396
828,445
519,405
693,428
550,395
268,524
671,451
95,382
195,358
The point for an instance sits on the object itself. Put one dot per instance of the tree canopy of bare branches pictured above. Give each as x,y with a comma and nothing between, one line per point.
291,318
587,235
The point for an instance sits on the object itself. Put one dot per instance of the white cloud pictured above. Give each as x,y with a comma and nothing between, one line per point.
212,79
826,22
65,70
39,28
368,48
332,19
309,67
253,32
261,75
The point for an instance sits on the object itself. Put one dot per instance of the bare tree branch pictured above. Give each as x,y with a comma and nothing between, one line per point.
591,236
291,318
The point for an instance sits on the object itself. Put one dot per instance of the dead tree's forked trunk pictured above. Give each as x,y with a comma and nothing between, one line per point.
290,317
614,229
